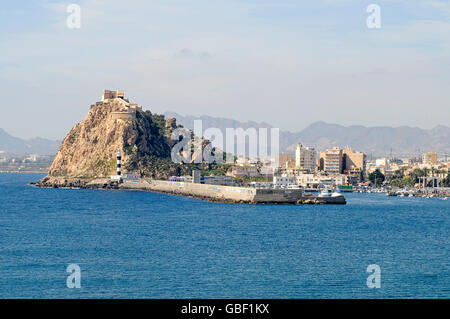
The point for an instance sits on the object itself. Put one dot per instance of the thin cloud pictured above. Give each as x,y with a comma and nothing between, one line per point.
189,54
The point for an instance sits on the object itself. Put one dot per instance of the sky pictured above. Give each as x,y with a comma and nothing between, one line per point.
288,63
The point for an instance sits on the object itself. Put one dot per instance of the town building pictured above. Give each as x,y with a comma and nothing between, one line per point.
336,160
284,180
316,180
308,180
284,158
243,170
305,158
382,162
430,158
346,161
130,177
260,184
291,171
412,161
290,164
354,165
332,160
354,160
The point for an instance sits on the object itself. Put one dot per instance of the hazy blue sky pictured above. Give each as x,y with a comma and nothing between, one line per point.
285,62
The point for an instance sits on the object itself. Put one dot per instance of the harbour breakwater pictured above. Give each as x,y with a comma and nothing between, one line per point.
215,193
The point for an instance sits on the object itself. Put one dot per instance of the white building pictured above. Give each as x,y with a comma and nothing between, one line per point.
382,162
308,180
284,180
313,180
305,158
187,179
260,184
131,177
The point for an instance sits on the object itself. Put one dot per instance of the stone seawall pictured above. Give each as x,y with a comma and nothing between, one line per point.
219,193
216,193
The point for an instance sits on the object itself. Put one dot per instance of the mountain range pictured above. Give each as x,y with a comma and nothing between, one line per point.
14,145
375,141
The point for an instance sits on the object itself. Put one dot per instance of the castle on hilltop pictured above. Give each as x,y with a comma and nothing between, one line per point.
128,110
109,95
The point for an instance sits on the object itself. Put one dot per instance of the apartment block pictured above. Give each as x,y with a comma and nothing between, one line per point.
333,160
305,158
354,160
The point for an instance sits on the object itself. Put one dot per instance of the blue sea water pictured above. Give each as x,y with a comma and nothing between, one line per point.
132,244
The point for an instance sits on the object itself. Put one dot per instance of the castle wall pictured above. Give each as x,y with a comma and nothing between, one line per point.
123,115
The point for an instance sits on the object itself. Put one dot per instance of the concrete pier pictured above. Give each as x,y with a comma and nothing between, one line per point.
228,194
215,193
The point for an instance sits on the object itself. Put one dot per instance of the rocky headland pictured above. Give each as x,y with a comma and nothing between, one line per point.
88,152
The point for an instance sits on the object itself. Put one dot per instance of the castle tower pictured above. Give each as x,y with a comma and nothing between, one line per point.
119,163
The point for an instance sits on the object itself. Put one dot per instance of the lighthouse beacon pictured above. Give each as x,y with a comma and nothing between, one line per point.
118,176
119,163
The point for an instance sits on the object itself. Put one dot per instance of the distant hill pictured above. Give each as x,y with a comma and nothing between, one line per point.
209,121
376,141
18,146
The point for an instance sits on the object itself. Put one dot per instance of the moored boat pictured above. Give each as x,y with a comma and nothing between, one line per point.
331,196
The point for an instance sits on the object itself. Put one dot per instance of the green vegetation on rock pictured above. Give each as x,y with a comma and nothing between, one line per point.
217,169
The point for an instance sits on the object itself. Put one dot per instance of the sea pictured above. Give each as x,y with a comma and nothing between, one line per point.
77,243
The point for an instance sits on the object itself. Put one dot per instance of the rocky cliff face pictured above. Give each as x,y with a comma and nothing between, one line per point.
89,150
